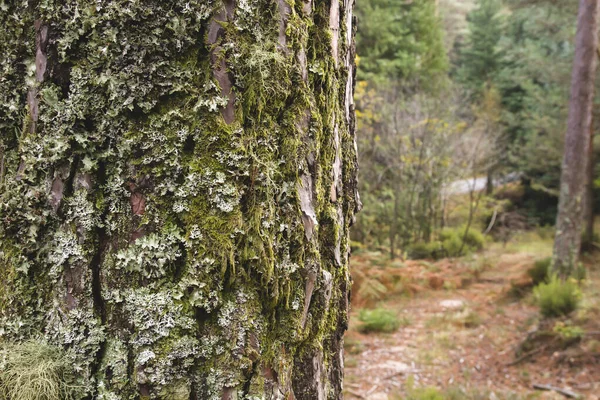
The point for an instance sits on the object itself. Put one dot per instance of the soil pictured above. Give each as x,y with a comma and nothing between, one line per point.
466,335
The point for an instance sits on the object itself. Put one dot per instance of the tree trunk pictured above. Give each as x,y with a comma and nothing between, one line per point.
489,183
395,223
588,206
176,199
573,177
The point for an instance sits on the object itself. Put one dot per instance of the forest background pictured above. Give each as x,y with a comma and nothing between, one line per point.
462,109
450,94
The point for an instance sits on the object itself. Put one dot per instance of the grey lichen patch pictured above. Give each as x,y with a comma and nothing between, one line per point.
151,256
114,381
234,345
163,347
79,330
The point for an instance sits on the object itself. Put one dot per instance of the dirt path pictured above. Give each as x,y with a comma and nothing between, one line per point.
463,338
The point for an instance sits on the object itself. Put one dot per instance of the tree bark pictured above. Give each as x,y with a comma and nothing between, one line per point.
588,206
176,199
573,176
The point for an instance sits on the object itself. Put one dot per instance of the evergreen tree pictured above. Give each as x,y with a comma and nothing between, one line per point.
534,95
400,40
480,57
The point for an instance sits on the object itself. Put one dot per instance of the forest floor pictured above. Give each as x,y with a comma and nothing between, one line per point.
462,327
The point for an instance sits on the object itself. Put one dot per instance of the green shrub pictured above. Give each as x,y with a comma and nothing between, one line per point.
474,239
35,371
452,246
449,244
557,297
378,320
422,250
452,240
539,272
567,331
472,320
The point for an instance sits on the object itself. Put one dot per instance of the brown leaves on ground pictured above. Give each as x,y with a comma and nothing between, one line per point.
471,344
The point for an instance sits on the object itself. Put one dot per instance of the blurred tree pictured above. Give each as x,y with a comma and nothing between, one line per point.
400,40
577,141
533,93
401,58
480,57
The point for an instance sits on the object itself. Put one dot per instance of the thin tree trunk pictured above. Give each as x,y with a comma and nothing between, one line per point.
489,183
473,206
175,207
573,177
588,207
394,230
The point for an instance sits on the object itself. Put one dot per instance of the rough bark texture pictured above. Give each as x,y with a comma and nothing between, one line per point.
573,177
177,183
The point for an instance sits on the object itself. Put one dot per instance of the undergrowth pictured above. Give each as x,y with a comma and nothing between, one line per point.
449,243
539,272
379,320
557,297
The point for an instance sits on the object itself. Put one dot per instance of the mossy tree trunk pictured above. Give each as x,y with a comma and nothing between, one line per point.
569,221
177,181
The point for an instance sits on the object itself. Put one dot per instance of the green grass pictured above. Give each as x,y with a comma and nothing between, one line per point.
379,320
530,242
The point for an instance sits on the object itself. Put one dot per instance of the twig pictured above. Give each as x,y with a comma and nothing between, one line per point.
370,392
526,356
412,371
491,280
567,393
596,245
354,385
492,222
